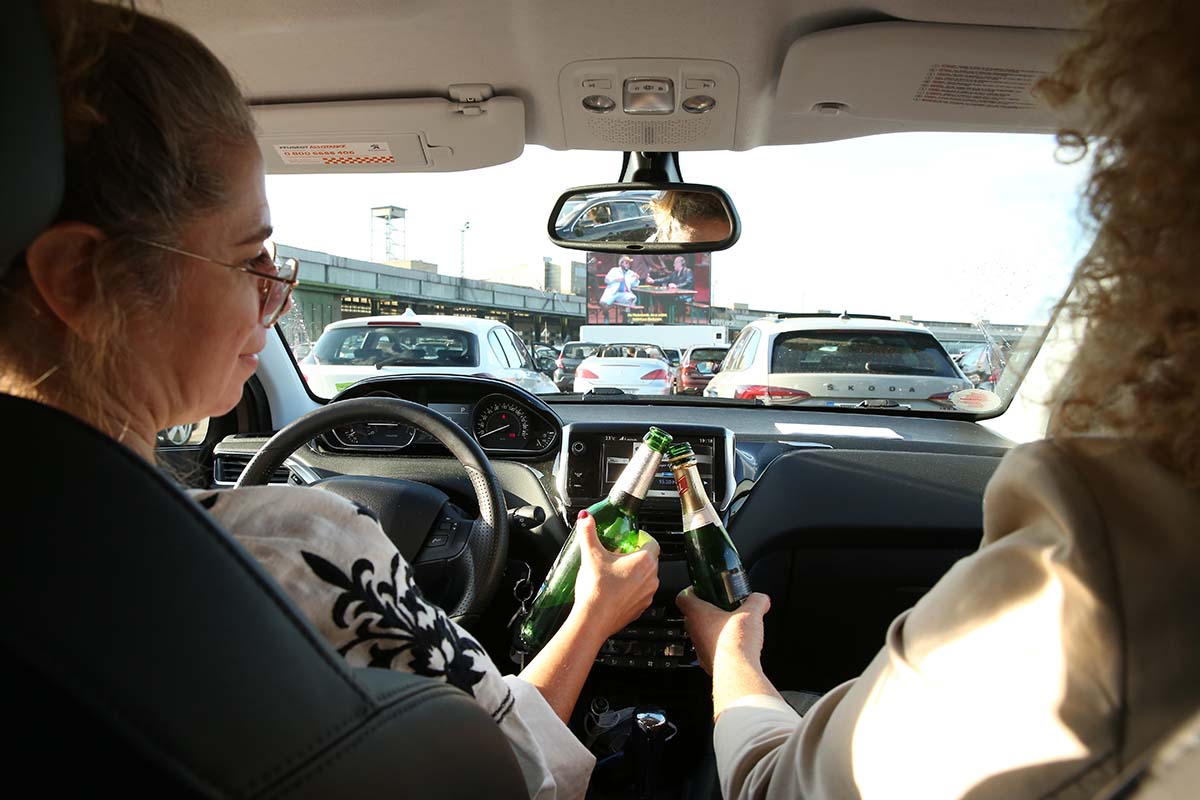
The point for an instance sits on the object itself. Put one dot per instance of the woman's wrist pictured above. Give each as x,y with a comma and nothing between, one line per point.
583,624
734,655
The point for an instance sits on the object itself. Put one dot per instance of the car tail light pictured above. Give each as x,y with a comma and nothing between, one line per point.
587,374
558,362
995,376
760,392
689,369
390,324
656,375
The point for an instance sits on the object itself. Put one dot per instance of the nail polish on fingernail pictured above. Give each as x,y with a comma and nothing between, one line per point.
582,514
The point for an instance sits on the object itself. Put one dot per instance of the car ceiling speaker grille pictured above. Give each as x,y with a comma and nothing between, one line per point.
636,133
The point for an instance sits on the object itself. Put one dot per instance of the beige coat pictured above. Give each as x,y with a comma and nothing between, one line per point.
1067,645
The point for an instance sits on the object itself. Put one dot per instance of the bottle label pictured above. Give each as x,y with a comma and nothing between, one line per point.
638,474
699,517
737,586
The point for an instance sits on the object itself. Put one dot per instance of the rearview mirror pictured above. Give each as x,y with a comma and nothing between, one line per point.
644,218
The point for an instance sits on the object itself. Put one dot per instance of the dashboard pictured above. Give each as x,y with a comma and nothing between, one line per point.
504,421
840,516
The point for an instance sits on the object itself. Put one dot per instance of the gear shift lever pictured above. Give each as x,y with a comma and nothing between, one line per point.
649,734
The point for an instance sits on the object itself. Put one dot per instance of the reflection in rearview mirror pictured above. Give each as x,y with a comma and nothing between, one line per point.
641,217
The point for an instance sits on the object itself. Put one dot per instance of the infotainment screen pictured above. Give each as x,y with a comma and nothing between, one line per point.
616,450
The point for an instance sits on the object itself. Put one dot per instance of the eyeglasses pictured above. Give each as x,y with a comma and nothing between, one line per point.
277,278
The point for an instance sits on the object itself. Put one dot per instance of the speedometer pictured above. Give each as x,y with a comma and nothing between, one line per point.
502,425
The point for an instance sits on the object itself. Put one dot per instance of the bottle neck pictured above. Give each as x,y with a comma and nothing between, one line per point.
698,510
630,489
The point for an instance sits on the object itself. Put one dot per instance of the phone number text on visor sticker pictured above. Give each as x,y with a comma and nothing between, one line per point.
334,153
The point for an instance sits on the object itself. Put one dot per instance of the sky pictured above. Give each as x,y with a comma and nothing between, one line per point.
960,227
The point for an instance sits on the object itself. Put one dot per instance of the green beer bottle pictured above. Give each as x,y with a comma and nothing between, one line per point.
617,529
712,560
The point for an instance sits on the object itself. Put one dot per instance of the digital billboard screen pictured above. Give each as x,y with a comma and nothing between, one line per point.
648,289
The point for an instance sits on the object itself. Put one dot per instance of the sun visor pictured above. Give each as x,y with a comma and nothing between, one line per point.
428,134
920,76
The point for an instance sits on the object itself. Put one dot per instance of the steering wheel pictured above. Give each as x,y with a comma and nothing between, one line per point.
450,552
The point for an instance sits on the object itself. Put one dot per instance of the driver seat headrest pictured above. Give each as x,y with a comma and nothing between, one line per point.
145,649
31,139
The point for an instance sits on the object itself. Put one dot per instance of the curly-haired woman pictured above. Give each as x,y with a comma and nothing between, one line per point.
1067,645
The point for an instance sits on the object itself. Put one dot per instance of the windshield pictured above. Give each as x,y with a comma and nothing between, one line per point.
967,239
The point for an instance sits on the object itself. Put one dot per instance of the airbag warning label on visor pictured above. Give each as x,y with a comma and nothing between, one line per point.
984,87
336,153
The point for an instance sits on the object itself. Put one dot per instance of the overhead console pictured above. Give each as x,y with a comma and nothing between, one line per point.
649,104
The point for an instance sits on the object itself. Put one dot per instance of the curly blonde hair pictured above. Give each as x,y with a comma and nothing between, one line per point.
1137,76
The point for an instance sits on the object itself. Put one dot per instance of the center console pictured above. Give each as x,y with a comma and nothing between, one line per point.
591,458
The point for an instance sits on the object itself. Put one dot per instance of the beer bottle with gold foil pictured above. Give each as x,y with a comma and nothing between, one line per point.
712,560
617,529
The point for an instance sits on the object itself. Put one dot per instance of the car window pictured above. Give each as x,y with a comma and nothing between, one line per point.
511,356
416,346
498,351
626,210
708,354
524,360
343,344
743,354
579,351
735,353
860,352
974,358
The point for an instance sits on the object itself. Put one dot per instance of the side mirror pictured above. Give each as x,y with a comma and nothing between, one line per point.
546,364
646,218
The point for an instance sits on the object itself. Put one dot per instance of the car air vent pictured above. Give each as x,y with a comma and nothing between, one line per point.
664,527
228,467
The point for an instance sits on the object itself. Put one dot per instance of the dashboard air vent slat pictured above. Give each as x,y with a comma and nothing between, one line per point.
228,467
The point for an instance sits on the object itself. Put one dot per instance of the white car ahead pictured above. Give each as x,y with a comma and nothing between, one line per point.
830,360
632,368
364,347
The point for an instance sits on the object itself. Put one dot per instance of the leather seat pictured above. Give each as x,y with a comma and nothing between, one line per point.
143,649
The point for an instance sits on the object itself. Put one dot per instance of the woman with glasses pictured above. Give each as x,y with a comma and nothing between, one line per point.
146,303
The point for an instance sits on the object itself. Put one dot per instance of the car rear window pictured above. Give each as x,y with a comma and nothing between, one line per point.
860,352
633,351
399,346
580,350
710,354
